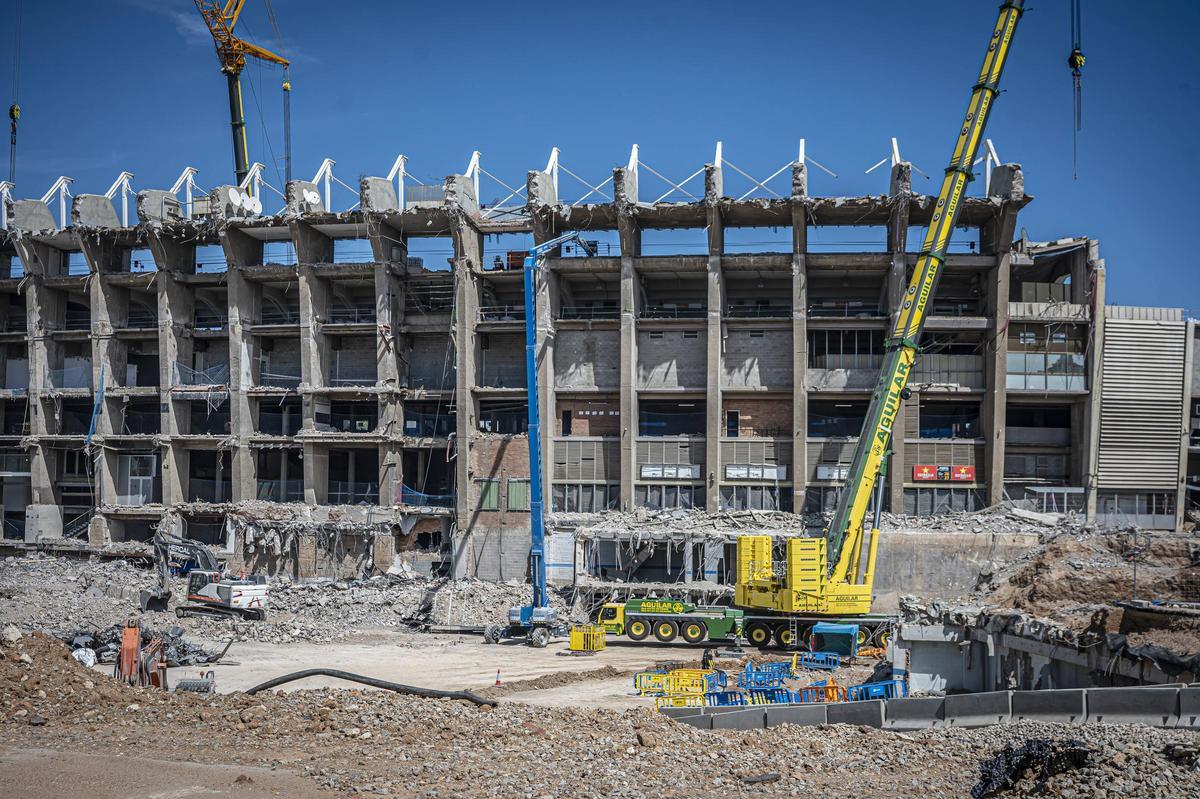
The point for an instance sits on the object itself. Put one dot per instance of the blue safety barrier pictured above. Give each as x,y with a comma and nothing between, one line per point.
819,660
771,696
725,698
888,689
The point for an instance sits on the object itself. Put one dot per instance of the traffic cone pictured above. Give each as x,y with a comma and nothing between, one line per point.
497,676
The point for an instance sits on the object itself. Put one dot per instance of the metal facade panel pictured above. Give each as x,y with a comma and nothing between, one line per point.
1141,403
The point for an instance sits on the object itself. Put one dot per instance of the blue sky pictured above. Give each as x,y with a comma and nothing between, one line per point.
134,84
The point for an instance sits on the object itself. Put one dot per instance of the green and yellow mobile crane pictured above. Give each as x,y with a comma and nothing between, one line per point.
829,578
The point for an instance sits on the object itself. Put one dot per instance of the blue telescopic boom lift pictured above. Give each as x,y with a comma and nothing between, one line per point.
537,621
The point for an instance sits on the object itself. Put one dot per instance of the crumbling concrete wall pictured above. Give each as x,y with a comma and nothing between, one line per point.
942,564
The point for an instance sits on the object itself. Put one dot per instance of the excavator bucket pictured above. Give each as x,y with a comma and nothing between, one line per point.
153,601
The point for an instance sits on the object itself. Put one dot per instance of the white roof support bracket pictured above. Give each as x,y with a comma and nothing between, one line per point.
122,184
5,196
61,188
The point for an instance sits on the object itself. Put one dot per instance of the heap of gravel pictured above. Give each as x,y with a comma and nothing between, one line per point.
357,742
66,596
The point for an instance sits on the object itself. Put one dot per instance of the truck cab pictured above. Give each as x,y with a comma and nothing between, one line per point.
612,617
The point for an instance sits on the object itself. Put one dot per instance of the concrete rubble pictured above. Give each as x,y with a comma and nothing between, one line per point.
355,743
63,596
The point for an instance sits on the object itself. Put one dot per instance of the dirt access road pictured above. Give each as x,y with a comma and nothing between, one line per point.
454,662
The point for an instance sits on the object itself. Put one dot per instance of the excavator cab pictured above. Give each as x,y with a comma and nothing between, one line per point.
197,581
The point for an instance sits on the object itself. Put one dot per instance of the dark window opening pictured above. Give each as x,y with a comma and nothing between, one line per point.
665,418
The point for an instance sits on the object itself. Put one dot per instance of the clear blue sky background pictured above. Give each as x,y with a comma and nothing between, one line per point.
134,84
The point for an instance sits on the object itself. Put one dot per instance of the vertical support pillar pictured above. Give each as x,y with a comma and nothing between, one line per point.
799,335
625,188
1095,369
1007,186
468,256
243,301
897,280
713,190
541,194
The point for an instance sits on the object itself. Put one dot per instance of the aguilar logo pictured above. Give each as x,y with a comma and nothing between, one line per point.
891,405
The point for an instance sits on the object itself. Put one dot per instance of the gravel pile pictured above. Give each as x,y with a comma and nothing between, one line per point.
66,596
359,743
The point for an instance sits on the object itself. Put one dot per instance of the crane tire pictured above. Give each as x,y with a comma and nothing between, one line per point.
637,629
693,631
784,638
758,634
666,630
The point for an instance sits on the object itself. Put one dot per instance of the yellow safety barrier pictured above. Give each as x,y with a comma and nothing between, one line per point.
649,682
679,700
587,638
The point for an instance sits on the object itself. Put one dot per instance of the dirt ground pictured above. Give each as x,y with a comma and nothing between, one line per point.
549,677
65,730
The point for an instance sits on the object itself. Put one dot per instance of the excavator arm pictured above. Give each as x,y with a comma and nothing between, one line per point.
166,545
845,534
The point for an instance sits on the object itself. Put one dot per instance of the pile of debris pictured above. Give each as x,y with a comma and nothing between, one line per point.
65,596
103,646
1003,518
363,742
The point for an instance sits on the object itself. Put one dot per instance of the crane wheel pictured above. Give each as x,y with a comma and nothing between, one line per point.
539,637
884,638
492,634
784,637
862,638
693,631
638,629
758,634
666,631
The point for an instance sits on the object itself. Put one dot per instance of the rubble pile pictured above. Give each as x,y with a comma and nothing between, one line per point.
69,597
1005,518
361,742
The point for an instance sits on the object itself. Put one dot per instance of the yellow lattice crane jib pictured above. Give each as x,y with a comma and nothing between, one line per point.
221,18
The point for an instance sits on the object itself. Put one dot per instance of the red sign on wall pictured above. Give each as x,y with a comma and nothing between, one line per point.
925,471
933,473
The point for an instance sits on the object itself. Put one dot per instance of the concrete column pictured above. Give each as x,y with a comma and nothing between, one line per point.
540,191
995,397
714,427
44,517
900,191
625,188
243,310
176,307
799,335
316,474
996,238
1095,369
468,256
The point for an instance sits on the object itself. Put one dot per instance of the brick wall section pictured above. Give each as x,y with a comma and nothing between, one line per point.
497,458
758,417
589,417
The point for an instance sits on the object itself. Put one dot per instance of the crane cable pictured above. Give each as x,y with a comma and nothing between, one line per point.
1076,61
14,110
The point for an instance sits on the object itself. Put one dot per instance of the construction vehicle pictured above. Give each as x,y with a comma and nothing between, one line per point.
831,578
221,18
211,592
825,578
668,619
537,621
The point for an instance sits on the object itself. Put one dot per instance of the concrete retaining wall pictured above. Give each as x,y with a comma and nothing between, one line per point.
1172,707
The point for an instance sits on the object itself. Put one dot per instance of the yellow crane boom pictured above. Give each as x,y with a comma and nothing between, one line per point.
826,575
221,18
